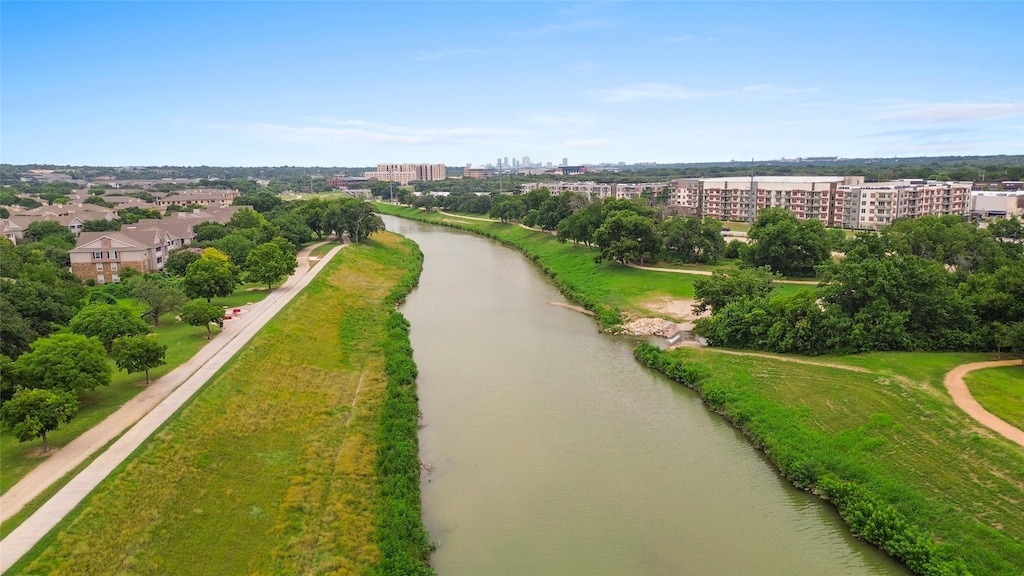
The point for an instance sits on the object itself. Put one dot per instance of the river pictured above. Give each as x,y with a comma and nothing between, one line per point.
548,450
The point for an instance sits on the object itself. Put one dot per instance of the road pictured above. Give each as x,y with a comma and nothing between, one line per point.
144,414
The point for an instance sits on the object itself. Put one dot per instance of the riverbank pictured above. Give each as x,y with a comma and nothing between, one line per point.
881,436
307,408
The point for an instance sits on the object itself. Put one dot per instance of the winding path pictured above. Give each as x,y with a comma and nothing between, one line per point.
144,414
957,388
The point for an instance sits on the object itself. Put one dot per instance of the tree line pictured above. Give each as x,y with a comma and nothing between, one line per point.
932,283
57,333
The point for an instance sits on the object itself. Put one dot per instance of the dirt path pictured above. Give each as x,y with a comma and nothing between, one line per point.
954,382
144,414
962,398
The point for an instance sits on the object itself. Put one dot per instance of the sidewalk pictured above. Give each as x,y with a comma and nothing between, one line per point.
147,411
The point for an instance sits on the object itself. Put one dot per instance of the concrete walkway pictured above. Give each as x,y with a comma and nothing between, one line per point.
147,411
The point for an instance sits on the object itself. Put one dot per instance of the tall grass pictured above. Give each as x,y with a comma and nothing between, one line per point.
273,467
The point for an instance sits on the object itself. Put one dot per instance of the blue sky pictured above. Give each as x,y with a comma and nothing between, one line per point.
355,84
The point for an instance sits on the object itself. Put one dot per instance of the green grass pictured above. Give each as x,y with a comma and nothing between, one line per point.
885,440
1000,391
572,265
270,468
183,342
891,432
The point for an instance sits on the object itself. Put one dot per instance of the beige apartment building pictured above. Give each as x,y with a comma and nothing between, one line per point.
405,173
835,201
870,206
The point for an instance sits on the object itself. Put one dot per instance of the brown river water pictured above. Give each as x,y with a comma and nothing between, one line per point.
548,450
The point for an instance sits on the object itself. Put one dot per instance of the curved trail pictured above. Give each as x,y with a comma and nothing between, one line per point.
962,398
954,382
709,273
144,414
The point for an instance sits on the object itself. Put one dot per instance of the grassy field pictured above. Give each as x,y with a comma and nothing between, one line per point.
879,432
891,431
1000,391
270,468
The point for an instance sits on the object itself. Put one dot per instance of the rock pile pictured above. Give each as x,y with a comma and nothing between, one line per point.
649,327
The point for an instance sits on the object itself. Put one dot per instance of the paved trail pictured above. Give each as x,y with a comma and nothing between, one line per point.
146,412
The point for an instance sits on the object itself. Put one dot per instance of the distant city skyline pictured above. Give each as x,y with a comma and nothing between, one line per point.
357,84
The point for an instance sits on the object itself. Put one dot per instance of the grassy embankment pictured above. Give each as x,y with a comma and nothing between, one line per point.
907,468
607,289
300,456
182,341
1000,391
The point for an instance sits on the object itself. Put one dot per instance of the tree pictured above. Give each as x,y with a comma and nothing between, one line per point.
351,216
178,261
29,309
625,236
210,276
138,353
508,208
57,233
790,247
1012,338
69,362
159,295
293,229
32,412
107,322
200,313
718,290
693,239
269,264
132,214
236,246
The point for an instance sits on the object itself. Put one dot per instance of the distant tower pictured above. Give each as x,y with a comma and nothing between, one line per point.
565,161
526,160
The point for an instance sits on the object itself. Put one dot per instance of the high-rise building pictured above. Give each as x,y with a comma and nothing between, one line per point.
526,160
565,161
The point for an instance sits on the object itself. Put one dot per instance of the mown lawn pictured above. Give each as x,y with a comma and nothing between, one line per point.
270,468
1000,391
893,431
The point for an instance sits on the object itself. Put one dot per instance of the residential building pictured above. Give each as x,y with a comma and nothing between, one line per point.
477,172
103,256
870,206
202,197
405,173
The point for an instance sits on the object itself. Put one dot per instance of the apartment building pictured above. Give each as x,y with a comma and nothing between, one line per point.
870,206
835,201
103,256
739,199
405,173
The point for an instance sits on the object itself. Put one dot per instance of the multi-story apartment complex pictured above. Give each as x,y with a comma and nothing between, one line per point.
405,173
835,201
880,203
